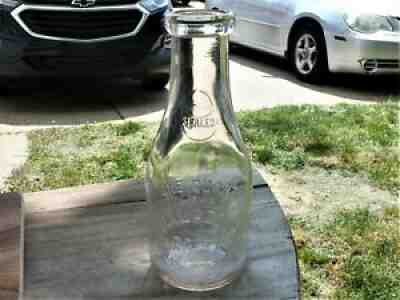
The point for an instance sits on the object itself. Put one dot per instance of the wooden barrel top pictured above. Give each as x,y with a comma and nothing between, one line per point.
90,243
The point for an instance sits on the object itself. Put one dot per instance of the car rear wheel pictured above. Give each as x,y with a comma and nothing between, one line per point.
308,54
155,83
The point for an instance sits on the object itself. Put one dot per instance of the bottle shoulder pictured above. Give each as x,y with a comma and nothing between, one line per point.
207,155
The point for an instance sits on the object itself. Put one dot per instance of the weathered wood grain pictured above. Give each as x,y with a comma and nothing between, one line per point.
11,246
85,196
96,195
101,252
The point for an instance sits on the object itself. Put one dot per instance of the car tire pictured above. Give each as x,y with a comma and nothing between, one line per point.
155,83
308,54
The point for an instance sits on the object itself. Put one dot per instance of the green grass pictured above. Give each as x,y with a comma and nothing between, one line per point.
357,256
69,157
361,139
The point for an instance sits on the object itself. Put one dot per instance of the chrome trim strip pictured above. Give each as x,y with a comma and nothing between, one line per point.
17,11
257,22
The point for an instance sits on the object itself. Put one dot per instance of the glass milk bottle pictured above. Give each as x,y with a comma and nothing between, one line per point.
198,172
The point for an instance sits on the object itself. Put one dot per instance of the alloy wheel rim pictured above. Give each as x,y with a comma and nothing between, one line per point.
306,53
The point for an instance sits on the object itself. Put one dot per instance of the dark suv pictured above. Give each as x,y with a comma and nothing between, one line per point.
85,38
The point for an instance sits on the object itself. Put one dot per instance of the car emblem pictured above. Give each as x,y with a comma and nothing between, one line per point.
83,3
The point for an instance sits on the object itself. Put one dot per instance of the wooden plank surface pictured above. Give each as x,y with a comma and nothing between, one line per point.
101,252
11,246
85,196
124,191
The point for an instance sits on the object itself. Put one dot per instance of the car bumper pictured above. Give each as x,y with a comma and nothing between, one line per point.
22,55
40,63
365,53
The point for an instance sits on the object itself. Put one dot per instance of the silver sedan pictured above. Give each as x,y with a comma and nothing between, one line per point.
352,36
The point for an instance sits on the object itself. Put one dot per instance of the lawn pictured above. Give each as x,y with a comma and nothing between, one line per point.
66,157
359,139
354,254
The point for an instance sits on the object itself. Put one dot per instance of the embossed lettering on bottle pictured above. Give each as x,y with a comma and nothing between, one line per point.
202,125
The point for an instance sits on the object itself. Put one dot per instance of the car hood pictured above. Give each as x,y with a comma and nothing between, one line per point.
381,7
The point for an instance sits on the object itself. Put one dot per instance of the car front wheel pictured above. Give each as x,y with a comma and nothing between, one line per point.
308,55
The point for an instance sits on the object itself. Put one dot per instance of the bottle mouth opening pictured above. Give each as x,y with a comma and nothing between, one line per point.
199,22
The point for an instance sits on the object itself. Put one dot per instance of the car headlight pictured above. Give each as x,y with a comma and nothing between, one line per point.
368,23
153,5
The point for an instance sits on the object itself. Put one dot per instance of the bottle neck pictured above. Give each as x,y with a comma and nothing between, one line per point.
199,106
200,65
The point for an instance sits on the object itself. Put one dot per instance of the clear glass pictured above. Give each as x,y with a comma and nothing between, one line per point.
198,172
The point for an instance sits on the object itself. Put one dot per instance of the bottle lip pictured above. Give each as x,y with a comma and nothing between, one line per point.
199,22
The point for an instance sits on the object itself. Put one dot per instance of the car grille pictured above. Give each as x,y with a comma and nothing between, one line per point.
82,26
372,65
68,2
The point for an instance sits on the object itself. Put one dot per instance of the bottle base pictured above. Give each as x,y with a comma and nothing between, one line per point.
192,260
200,288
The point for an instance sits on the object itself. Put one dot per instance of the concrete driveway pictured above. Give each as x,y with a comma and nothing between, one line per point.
258,80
